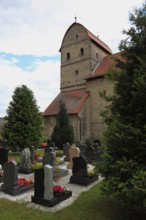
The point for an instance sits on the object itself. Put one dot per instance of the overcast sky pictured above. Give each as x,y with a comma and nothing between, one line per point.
31,33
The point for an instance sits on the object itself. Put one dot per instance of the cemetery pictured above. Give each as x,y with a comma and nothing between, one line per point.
49,182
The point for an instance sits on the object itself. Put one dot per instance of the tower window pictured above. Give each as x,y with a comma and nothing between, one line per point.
77,72
97,55
68,56
77,36
82,51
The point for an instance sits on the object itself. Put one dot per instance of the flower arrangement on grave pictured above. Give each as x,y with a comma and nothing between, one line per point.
92,170
36,165
36,155
57,170
24,182
59,190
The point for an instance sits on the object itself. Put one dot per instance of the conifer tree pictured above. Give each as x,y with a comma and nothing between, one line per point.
63,130
124,150
24,122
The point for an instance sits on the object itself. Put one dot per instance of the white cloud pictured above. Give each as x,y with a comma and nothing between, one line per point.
44,82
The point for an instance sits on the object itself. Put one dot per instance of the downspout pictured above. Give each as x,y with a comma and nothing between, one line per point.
79,127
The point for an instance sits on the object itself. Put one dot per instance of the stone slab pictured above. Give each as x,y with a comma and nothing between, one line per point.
61,173
53,202
84,181
18,190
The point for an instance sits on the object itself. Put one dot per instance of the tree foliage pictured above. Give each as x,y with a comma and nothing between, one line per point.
124,150
63,130
24,124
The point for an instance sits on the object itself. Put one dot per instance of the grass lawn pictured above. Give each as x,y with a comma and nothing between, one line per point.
89,206
16,155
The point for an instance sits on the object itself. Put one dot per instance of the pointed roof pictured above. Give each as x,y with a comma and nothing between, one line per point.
104,65
73,100
92,37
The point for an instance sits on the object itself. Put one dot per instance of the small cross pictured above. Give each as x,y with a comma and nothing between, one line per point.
75,18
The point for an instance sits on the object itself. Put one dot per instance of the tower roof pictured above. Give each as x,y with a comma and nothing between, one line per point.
92,37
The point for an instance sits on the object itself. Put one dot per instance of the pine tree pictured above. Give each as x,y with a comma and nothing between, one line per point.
24,122
63,130
124,150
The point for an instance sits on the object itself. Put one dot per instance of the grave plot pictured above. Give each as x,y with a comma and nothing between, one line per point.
45,193
12,185
50,158
80,173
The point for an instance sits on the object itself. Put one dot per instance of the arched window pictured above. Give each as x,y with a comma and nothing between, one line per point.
82,51
68,56
77,72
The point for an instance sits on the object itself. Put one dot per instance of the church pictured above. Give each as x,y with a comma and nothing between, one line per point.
85,59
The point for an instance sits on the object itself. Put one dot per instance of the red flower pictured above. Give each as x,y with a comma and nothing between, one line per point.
23,182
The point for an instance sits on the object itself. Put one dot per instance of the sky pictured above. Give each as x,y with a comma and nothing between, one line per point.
31,33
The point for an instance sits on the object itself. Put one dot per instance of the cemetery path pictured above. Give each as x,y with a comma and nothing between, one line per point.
65,181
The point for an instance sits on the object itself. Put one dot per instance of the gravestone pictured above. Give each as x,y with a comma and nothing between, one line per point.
82,148
97,152
48,182
25,161
49,149
10,185
79,172
32,148
73,152
90,154
3,155
66,151
79,166
43,188
50,158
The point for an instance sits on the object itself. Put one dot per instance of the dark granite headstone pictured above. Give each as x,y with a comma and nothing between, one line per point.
80,172
39,183
49,158
3,156
90,154
79,166
82,148
41,194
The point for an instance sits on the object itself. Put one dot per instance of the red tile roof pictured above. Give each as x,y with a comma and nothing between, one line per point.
99,42
103,66
73,100
92,37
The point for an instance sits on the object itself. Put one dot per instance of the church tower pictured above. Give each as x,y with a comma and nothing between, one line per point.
84,62
80,51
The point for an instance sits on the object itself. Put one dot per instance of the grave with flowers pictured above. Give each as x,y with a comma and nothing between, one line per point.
12,184
45,192
80,173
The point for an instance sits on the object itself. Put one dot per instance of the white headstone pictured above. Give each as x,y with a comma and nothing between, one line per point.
48,182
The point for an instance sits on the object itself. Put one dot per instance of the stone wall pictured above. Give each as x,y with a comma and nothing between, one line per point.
97,104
